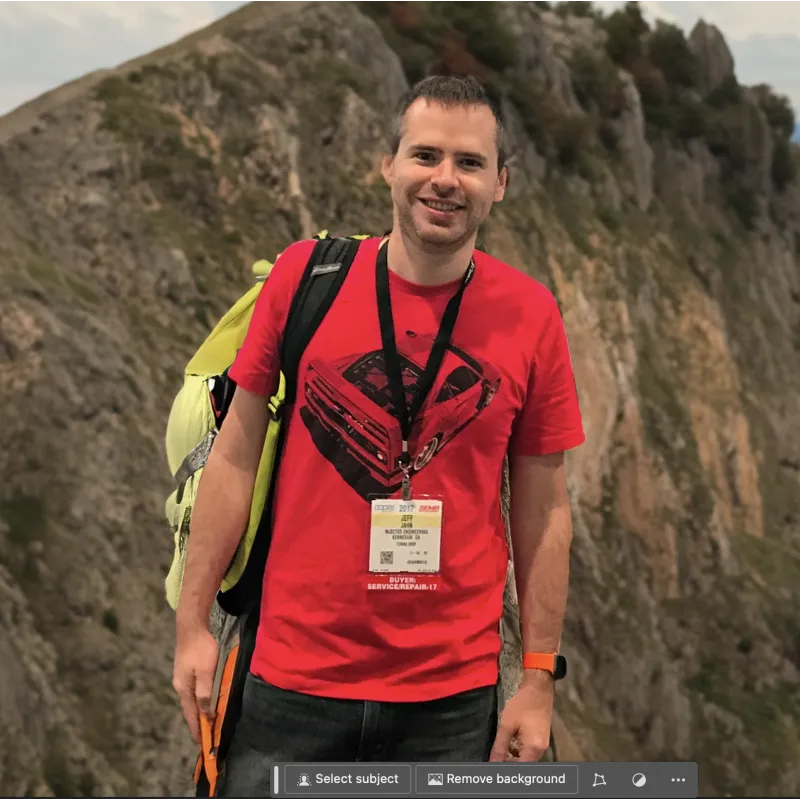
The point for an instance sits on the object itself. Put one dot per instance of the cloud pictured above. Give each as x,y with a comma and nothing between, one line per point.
46,44
739,20
174,18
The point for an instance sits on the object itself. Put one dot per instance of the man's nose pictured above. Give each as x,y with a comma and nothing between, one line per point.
444,178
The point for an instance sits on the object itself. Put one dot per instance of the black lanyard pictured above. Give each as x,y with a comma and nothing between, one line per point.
394,374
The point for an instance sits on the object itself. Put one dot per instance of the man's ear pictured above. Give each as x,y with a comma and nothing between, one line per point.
502,184
387,168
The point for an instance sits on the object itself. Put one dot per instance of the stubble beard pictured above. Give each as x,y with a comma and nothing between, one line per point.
446,240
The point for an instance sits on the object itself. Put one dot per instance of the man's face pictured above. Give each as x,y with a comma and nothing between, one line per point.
444,177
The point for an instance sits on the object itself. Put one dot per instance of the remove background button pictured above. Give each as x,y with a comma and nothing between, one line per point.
508,779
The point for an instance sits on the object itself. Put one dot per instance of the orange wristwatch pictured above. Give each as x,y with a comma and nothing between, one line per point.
552,662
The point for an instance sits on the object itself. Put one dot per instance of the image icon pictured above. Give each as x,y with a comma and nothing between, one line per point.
435,779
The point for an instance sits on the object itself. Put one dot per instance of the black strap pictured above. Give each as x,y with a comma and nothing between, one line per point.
324,275
394,374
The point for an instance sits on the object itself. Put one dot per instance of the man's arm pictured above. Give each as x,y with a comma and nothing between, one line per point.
222,505
541,535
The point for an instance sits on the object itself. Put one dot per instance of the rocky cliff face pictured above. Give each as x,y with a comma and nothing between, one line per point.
655,195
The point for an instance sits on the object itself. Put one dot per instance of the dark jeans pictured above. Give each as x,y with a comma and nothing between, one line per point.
278,725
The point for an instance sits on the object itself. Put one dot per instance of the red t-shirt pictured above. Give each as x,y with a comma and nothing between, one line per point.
506,384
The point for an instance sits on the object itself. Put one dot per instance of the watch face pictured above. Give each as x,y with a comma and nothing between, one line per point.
561,668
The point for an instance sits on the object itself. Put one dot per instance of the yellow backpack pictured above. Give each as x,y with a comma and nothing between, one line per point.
199,408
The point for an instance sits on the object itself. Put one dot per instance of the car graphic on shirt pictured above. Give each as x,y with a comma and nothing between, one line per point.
349,413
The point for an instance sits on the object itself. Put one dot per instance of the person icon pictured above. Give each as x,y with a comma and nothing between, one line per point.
304,780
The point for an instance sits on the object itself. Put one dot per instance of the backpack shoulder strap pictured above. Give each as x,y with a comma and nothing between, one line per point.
322,278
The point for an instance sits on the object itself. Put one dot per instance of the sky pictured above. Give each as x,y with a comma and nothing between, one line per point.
46,44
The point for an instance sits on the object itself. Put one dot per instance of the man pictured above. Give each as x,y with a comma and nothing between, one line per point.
375,644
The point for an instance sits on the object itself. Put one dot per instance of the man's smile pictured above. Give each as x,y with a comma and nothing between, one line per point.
442,206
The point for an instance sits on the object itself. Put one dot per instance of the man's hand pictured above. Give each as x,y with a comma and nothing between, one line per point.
193,675
527,717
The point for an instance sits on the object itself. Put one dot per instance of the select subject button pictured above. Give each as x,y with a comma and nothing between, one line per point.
347,780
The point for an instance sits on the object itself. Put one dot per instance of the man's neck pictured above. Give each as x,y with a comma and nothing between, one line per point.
423,267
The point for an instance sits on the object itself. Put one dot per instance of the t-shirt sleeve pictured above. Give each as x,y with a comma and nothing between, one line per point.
550,419
257,364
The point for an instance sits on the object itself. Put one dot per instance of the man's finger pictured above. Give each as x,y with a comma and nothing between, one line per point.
501,743
530,753
533,746
205,680
189,706
184,688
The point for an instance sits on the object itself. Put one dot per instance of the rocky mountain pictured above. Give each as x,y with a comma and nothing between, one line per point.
656,195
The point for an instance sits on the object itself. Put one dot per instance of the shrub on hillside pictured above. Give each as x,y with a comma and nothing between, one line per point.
576,8
425,35
726,137
625,29
663,107
684,118
651,84
596,83
572,136
541,110
558,134
669,51
691,120
476,21
784,168
744,203
728,93
608,137
777,108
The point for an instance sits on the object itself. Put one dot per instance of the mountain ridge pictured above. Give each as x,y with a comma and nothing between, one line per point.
650,192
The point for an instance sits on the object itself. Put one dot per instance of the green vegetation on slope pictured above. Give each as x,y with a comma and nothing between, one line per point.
445,37
471,38
667,76
185,155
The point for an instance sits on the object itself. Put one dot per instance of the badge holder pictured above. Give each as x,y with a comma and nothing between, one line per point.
406,533
405,539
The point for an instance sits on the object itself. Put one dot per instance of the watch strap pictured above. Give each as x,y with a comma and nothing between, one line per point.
551,662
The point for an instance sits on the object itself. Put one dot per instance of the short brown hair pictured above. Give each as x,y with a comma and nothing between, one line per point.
451,90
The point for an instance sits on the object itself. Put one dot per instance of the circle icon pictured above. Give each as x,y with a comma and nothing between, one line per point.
639,780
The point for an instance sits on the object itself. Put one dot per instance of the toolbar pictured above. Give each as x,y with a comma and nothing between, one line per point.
616,779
